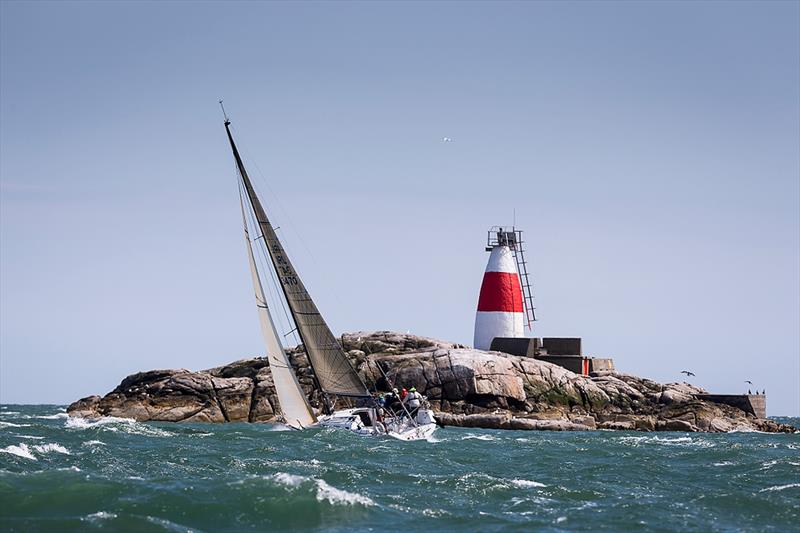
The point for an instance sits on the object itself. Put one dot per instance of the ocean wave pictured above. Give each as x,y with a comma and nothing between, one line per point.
471,436
33,437
323,491
13,425
99,516
115,424
94,443
170,526
21,450
781,487
4,413
526,484
51,447
667,441
52,417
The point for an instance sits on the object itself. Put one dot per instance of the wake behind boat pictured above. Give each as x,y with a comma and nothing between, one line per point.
334,376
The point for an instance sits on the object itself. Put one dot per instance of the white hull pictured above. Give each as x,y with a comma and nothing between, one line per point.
362,422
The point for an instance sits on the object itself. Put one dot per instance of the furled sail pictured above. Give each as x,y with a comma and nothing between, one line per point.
294,405
334,372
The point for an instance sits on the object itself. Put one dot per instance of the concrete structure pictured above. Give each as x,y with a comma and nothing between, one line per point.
755,404
562,345
522,346
500,305
541,349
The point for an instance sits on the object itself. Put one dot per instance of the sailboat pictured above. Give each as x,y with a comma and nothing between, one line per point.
334,376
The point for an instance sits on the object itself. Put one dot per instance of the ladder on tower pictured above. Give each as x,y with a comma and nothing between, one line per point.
524,279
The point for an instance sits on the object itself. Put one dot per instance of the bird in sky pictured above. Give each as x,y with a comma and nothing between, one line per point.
688,374
748,381
447,140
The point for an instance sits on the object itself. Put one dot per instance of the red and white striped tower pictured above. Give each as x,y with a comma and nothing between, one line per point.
501,311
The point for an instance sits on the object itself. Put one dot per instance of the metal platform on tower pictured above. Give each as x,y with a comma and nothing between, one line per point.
503,236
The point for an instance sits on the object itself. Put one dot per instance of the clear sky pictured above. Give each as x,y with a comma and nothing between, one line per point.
650,151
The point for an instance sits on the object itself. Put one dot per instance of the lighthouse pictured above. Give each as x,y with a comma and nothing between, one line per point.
505,304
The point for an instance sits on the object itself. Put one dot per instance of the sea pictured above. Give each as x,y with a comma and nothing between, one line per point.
64,474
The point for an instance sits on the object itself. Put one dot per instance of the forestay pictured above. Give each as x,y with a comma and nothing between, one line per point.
334,373
294,405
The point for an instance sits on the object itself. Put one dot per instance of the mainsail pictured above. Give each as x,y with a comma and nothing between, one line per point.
294,405
334,372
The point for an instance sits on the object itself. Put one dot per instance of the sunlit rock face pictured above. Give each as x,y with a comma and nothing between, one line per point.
465,386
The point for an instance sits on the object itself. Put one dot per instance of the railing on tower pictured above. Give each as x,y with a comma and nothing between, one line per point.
498,236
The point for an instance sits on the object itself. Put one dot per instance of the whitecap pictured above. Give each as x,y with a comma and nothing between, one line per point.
99,516
526,484
20,451
290,480
94,443
51,447
13,425
32,437
323,491
338,496
52,417
4,413
114,424
667,441
780,487
478,437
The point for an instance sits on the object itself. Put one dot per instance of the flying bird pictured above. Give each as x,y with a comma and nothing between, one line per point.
748,381
687,373
447,140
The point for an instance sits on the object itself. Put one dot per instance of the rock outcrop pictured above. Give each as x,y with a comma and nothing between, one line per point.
466,387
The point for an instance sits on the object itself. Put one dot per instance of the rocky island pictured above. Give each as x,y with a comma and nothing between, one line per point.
466,387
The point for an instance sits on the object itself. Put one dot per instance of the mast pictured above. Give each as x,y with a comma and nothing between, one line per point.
296,411
333,370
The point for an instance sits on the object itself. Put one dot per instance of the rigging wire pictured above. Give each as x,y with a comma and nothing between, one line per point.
253,229
271,282
291,225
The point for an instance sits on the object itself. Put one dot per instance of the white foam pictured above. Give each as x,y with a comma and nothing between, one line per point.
53,417
478,437
94,443
323,491
335,496
20,451
667,441
13,425
780,487
289,480
114,424
51,447
526,484
32,437
99,516
4,413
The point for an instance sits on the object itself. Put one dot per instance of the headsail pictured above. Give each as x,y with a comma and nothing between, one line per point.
294,405
334,372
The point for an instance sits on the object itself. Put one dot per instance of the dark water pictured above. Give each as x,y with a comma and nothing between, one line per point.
58,474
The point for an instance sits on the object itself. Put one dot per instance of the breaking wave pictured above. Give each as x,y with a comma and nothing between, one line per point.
115,424
323,491
13,425
526,484
20,450
781,487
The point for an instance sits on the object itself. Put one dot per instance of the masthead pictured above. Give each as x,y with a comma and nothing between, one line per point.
227,120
